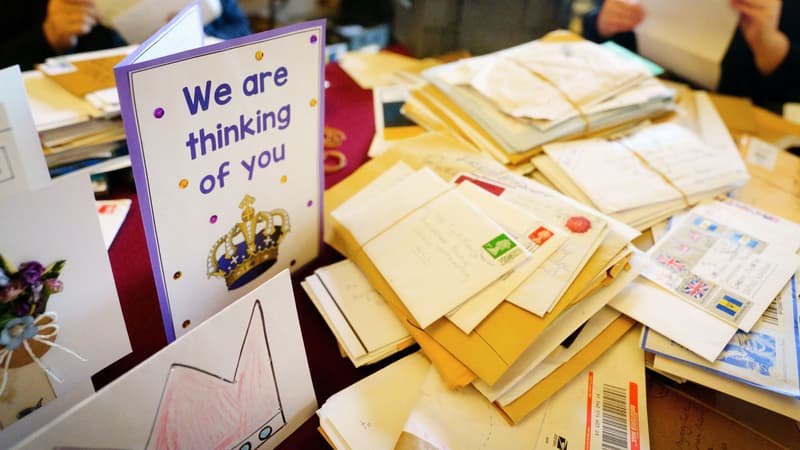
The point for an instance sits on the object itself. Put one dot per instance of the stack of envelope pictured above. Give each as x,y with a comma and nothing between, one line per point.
509,103
408,405
649,173
719,297
76,110
365,328
490,272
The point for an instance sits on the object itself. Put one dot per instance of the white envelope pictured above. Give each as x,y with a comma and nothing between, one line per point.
442,253
673,317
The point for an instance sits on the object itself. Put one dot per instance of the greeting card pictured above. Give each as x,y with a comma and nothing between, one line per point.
225,145
60,319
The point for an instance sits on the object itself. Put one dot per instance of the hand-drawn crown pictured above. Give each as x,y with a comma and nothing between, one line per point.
256,250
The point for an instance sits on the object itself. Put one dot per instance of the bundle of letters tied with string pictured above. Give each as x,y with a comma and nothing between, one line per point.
502,242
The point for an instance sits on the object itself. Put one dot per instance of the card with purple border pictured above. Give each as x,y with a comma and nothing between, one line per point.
225,143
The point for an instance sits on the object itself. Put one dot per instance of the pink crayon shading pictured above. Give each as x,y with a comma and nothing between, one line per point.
202,410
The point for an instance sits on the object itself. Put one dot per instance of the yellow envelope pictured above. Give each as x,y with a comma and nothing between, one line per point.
518,409
91,75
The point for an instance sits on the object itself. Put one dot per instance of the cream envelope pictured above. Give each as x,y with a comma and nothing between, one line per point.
673,317
371,412
441,254
387,199
540,239
553,336
589,164
603,407
443,418
356,313
726,259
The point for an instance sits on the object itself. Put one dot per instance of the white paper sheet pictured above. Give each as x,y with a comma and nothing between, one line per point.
690,45
194,393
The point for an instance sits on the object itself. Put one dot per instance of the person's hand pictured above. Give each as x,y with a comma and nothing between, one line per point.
67,20
617,16
759,24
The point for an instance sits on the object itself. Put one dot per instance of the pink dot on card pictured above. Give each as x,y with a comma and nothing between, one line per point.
213,219
158,113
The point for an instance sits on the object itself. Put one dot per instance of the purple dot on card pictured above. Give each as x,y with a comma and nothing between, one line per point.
314,39
158,113
213,219
292,262
310,202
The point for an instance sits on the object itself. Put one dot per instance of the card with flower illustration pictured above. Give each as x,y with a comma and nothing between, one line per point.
225,143
58,301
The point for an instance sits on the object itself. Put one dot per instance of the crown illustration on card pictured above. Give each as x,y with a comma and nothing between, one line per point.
250,248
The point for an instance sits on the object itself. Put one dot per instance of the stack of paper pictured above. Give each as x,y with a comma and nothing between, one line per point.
408,405
359,317
644,177
489,272
76,110
511,102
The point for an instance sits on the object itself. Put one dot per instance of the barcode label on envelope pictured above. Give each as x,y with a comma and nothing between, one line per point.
612,416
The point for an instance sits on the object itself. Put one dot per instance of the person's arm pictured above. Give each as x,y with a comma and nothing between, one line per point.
67,20
759,22
615,20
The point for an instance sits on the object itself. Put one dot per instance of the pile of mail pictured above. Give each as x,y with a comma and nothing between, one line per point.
364,326
719,297
509,103
75,108
490,272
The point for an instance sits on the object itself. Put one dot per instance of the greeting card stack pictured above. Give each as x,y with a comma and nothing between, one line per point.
511,102
488,271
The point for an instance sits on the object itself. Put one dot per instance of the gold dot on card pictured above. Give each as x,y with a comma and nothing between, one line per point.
283,179
183,184
313,102
259,55
186,323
